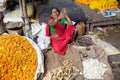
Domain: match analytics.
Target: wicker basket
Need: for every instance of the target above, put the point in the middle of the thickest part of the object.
(19, 31)
(14, 28)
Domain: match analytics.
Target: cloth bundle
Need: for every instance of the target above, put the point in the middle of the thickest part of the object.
(2, 5)
(85, 41)
(15, 16)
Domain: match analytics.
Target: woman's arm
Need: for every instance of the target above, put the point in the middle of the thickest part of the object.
(68, 20)
(52, 22)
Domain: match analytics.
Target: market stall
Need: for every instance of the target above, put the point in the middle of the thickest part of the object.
(24, 59)
(100, 12)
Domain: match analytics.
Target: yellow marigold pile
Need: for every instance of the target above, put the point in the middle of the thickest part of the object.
(84, 1)
(100, 4)
(18, 58)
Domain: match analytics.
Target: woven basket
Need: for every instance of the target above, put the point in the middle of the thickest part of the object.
(14, 28)
(19, 31)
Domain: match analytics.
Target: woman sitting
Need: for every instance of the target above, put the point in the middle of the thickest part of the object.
(60, 36)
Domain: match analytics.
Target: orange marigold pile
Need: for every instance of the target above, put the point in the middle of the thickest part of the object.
(18, 58)
(100, 4)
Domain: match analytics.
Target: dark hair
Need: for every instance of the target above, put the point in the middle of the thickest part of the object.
(54, 8)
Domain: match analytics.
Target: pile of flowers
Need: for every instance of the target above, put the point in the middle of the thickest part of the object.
(100, 4)
(84, 1)
(18, 58)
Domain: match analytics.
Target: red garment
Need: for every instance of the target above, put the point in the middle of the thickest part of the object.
(1, 16)
(66, 35)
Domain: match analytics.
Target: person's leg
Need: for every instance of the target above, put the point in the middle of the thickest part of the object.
(74, 42)
(79, 31)
(75, 34)
(1, 16)
(76, 31)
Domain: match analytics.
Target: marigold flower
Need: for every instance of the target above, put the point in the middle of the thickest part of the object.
(18, 58)
(100, 4)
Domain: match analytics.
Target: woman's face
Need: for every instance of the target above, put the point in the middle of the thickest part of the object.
(54, 13)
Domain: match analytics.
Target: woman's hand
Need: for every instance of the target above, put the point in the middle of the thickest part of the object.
(64, 10)
(68, 22)
(54, 35)
(61, 16)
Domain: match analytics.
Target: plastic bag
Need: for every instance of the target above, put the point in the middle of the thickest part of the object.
(109, 49)
(43, 41)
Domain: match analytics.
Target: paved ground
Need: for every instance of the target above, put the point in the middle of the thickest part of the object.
(113, 38)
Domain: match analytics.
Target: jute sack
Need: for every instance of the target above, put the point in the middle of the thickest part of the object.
(81, 28)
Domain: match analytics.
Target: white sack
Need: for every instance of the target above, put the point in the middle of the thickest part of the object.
(93, 69)
(40, 68)
(16, 15)
(43, 41)
(38, 29)
(109, 49)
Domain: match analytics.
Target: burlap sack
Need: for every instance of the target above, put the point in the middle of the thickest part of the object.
(81, 28)
(54, 60)
(97, 52)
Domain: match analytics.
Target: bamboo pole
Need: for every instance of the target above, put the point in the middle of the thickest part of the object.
(27, 27)
(21, 9)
